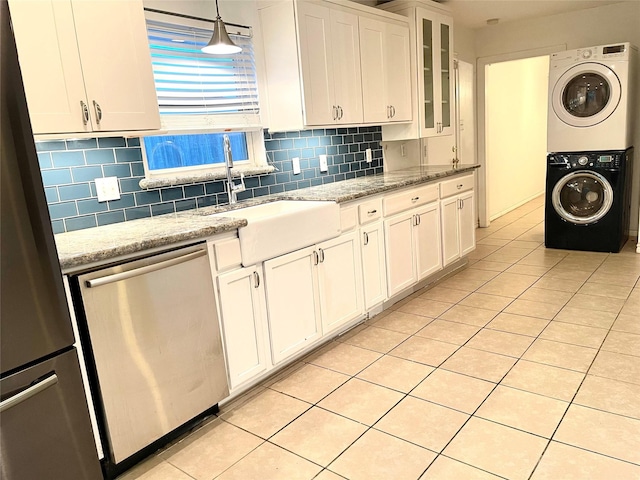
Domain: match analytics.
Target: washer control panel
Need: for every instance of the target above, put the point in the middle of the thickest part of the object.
(608, 160)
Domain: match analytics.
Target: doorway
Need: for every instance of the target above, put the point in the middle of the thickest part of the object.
(516, 94)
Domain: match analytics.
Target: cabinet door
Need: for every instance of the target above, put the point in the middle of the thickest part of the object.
(116, 64)
(346, 66)
(314, 30)
(467, 219)
(292, 302)
(50, 65)
(340, 281)
(398, 71)
(450, 230)
(428, 63)
(242, 308)
(427, 240)
(372, 52)
(445, 33)
(401, 271)
(373, 265)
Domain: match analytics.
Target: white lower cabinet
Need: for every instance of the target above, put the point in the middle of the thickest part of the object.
(401, 267)
(412, 241)
(241, 302)
(427, 240)
(373, 264)
(340, 281)
(458, 219)
(293, 305)
(312, 292)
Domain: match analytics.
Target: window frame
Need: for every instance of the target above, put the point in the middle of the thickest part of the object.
(207, 123)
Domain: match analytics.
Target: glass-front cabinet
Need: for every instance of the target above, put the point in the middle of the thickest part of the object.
(431, 29)
(435, 71)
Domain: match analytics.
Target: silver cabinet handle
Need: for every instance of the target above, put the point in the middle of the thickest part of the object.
(85, 112)
(316, 259)
(96, 106)
(393, 111)
(459, 186)
(256, 279)
(371, 212)
(341, 113)
(418, 219)
(366, 238)
(415, 199)
(116, 277)
(388, 111)
(335, 113)
(18, 398)
(321, 255)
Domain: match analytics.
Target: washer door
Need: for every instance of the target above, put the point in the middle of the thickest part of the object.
(586, 95)
(582, 197)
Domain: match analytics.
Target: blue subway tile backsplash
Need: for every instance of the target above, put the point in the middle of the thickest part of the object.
(69, 169)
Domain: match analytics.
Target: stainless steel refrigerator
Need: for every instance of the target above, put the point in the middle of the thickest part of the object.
(45, 430)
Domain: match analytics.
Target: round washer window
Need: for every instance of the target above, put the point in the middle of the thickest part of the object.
(586, 94)
(582, 197)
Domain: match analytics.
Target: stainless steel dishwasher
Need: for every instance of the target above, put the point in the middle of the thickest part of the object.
(155, 340)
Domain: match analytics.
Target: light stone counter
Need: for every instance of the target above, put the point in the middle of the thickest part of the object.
(101, 245)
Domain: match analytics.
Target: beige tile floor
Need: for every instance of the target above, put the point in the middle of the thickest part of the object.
(525, 365)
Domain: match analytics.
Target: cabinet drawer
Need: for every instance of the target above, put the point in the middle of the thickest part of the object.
(456, 185)
(227, 254)
(409, 199)
(348, 218)
(370, 211)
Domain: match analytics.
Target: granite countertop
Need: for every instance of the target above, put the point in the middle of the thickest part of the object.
(94, 246)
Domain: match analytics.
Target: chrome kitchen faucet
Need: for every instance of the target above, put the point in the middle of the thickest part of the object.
(232, 187)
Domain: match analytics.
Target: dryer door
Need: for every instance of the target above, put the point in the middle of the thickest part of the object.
(586, 94)
(582, 197)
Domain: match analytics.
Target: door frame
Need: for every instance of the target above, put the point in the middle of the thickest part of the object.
(481, 64)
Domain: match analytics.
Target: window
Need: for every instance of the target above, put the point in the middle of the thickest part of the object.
(177, 151)
(200, 95)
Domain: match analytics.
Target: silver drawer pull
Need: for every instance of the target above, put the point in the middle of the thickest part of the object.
(371, 212)
(18, 398)
(459, 186)
(256, 278)
(415, 199)
(97, 282)
(96, 105)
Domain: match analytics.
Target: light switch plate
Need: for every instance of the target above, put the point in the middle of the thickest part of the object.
(368, 155)
(296, 165)
(107, 189)
(323, 163)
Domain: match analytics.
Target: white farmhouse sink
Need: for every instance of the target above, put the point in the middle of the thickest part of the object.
(281, 227)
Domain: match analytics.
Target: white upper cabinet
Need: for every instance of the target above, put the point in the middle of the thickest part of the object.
(316, 71)
(432, 76)
(385, 48)
(330, 59)
(85, 65)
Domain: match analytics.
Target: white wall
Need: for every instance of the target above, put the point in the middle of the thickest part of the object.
(595, 26)
(516, 132)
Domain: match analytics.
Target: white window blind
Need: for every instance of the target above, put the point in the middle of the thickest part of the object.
(196, 89)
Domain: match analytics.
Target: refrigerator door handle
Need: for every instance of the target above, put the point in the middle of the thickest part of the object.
(35, 389)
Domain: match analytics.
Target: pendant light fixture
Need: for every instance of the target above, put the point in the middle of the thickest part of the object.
(220, 43)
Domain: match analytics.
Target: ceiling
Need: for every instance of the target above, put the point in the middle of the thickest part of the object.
(475, 13)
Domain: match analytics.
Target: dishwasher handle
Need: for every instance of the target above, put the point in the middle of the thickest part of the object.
(116, 277)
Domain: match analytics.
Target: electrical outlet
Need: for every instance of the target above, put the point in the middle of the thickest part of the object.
(107, 189)
(296, 165)
(323, 163)
(368, 155)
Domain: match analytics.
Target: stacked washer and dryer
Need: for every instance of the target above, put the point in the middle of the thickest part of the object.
(590, 147)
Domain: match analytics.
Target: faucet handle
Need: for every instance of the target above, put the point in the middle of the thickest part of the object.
(240, 187)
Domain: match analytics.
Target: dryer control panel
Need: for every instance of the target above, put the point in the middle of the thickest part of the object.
(620, 51)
